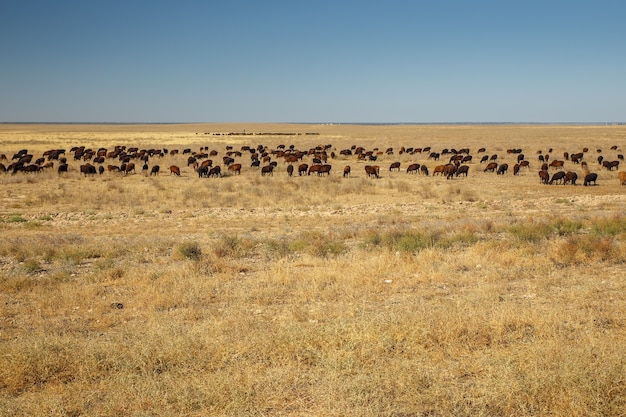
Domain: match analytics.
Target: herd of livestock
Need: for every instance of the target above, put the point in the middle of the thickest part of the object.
(209, 163)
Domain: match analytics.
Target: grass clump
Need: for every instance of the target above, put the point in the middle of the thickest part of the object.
(319, 244)
(189, 250)
(234, 246)
(16, 218)
(413, 241)
(614, 226)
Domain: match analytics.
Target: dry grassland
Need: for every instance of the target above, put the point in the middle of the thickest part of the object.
(136, 295)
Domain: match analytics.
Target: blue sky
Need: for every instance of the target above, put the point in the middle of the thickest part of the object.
(321, 61)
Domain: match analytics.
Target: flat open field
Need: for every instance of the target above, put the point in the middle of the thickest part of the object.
(404, 295)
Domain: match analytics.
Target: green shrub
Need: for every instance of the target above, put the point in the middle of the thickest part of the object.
(16, 218)
(613, 226)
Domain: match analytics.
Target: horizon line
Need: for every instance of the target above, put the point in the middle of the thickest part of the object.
(605, 123)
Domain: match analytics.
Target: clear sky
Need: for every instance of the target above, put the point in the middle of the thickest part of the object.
(313, 61)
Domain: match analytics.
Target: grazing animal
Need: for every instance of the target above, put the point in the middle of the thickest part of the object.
(324, 169)
(87, 169)
(174, 170)
(303, 169)
(439, 169)
(267, 170)
(314, 168)
(371, 170)
(346, 171)
(155, 170)
(462, 170)
(558, 177)
(544, 177)
(413, 168)
(424, 170)
(203, 172)
(491, 166)
(622, 177)
(590, 178)
(449, 170)
(62, 168)
(130, 167)
(215, 171)
(290, 170)
(502, 169)
(556, 164)
(235, 168)
(570, 177)
(394, 166)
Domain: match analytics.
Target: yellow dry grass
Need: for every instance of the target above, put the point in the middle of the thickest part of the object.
(313, 296)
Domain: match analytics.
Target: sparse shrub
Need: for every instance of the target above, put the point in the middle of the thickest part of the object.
(531, 232)
(233, 246)
(613, 226)
(31, 266)
(277, 248)
(413, 241)
(189, 250)
(319, 244)
(565, 227)
(16, 218)
(463, 238)
(373, 238)
(579, 249)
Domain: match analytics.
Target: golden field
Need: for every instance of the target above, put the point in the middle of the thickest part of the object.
(407, 295)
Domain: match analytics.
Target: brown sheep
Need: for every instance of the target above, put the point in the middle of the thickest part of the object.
(544, 177)
(413, 168)
(463, 169)
(303, 169)
(439, 169)
(130, 167)
(491, 167)
(236, 168)
(558, 177)
(449, 170)
(174, 170)
(394, 166)
(570, 177)
(346, 171)
(622, 177)
(324, 169)
(556, 164)
(371, 171)
(215, 171)
(267, 169)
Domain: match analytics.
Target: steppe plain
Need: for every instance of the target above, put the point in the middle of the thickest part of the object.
(243, 295)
